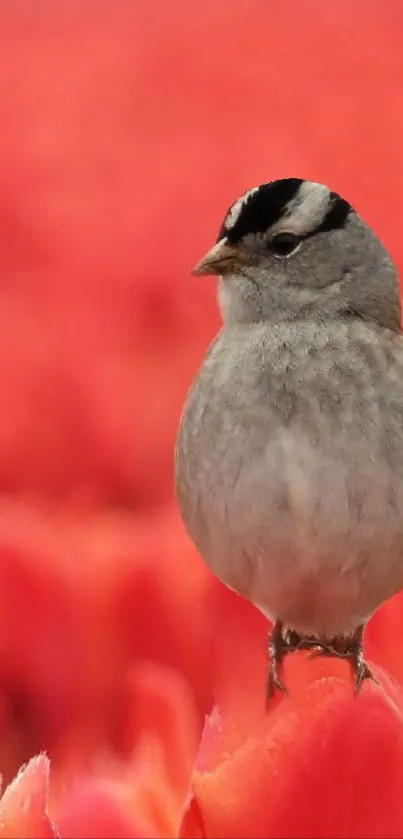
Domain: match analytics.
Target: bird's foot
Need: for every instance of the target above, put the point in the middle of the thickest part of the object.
(350, 649)
(277, 650)
(283, 641)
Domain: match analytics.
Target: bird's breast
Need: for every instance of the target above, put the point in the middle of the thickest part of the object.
(284, 481)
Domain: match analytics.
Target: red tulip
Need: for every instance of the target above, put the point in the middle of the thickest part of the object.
(23, 806)
(320, 763)
(125, 135)
(314, 765)
(140, 793)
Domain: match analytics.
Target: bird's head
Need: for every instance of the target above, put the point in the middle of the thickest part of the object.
(292, 248)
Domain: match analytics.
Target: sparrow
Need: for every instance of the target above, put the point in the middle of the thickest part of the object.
(289, 455)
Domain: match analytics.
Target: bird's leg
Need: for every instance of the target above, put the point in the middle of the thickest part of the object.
(361, 669)
(281, 642)
(276, 651)
(352, 650)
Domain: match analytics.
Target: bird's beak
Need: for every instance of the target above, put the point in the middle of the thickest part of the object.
(221, 259)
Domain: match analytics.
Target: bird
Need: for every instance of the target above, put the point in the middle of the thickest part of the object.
(289, 452)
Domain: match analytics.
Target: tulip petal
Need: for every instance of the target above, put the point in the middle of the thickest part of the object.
(23, 807)
(321, 763)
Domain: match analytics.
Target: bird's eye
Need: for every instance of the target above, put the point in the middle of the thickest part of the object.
(284, 244)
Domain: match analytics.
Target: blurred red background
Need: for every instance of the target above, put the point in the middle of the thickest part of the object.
(126, 131)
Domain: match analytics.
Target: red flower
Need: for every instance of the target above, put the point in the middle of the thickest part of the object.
(142, 795)
(23, 806)
(126, 135)
(319, 764)
(119, 718)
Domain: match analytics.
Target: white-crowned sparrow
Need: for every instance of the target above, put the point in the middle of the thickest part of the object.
(289, 458)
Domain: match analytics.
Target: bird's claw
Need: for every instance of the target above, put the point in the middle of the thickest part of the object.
(279, 645)
(283, 641)
(274, 681)
(354, 653)
(362, 672)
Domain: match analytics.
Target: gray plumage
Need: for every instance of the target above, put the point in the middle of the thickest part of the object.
(289, 458)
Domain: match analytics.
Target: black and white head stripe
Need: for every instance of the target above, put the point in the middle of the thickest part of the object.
(305, 207)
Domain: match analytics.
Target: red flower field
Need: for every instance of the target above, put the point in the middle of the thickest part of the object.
(131, 682)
